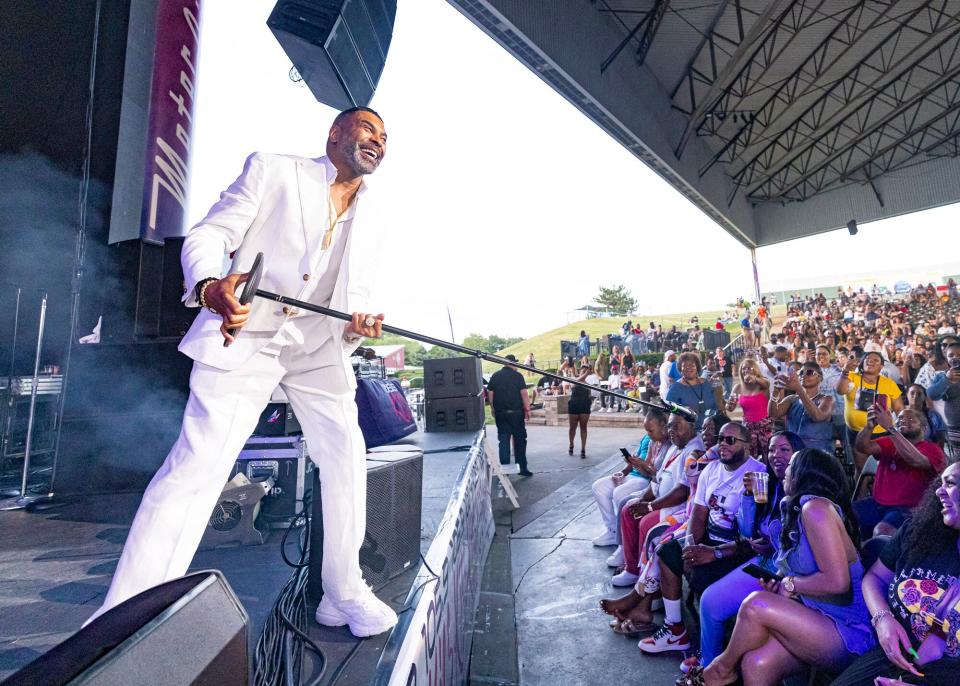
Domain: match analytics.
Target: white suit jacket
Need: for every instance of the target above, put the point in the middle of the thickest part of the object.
(278, 206)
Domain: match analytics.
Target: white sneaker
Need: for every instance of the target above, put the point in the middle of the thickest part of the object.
(624, 578)
(616, 560)
(366, 615)
(605, 539)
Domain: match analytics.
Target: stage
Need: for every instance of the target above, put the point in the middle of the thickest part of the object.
(56, 563)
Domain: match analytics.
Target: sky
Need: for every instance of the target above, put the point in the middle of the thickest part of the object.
(506, 204)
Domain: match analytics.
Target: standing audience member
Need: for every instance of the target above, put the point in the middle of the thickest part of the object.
(666, 378)
(918, 400)
(583, 345)
(510, 406)
(945, 387)
(752, 393)
(861, 390)
(906, 464)
(578, 410)
(692, 391)
(713, 552)
(726, 368)
(809, 412)
(776, 636)
(913, 596)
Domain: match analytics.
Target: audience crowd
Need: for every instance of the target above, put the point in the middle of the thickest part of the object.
(816, 534)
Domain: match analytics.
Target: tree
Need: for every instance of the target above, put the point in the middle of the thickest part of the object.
(490, 344)
(413, 354)
(616, 299)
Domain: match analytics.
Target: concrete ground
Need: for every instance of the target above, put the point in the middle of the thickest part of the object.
(539, 620)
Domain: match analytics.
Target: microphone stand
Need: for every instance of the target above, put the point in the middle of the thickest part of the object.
(666, 405)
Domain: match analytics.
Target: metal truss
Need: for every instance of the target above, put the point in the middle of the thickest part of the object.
(650, 23)
(871, 125)
(859, 19)
(704, 90)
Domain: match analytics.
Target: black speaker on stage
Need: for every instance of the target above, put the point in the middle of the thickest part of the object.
(452, 377)
(454, 414)
(191, 630)
(392, 541)
(339, 47)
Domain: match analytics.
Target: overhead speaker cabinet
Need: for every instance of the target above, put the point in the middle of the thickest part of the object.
(192, 630)
(452, 377)
(338, 47)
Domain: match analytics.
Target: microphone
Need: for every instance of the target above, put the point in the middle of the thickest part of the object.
(684, 412)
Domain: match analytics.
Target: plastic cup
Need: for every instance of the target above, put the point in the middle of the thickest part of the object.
(686, 541)
(760, 482)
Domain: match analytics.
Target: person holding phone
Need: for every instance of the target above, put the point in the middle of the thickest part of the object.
(906, 463)
(809, 412)
(860, 384)
(945, 388)
(611, 492)
(776, 636)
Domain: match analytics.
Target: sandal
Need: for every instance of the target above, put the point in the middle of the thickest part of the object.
(632, 629)
(570, 450)
(692, 678)
(583, 454)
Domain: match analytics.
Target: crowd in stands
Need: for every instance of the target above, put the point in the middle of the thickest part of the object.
(791, 565)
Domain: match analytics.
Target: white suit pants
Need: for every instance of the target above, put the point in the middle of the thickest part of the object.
(222, 412)
(610, 497)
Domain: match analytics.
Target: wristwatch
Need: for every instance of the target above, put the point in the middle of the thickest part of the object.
(717, 553)
(788, 585)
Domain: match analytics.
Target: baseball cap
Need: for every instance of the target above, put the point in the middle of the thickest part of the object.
(669, 353)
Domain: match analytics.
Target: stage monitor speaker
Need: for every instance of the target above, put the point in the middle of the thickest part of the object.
(452, 377)
(391, 544)
(338, 47)
(192, 630)
(454, 414)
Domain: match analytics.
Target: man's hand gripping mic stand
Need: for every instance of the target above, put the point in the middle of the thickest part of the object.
(251, 288)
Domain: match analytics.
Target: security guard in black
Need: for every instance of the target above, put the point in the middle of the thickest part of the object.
(507, 393)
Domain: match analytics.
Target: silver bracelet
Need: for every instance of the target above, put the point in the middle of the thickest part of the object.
(203, 293)
(878, 616)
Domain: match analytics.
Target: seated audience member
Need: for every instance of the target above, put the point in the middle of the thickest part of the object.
(937, 362)
(692, 391)
(752, 393)
(712, 551)
(918, 400)
(945, 387)
(906, 463)
(776, 636)
(664, 501)
(611, 492)
(809, 412)
(913, 596)
(759, 527)
(860, 385)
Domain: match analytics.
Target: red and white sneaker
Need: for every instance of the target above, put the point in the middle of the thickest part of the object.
(667, 638)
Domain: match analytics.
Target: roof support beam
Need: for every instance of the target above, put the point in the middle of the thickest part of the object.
(752, 42)
(656, 18)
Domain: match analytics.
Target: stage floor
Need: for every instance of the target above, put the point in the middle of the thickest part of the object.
(56, 563)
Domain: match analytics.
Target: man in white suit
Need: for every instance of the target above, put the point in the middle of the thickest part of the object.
(312, 220)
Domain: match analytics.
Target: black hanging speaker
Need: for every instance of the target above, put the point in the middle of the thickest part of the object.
(339, 47)
(392, 541)
(192, 630)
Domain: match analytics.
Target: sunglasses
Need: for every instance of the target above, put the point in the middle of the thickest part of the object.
(807, 372)
(730, 440)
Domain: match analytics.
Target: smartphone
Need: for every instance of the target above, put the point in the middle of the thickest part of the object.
(626, 454)
(882, 401)
(758, 572)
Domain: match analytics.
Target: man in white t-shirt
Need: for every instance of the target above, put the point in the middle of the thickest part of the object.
(713, 525)
(665, 379)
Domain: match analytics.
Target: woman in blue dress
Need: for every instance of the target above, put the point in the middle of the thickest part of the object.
(814, 614)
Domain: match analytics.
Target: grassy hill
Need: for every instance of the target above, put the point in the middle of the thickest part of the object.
(546, 346)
